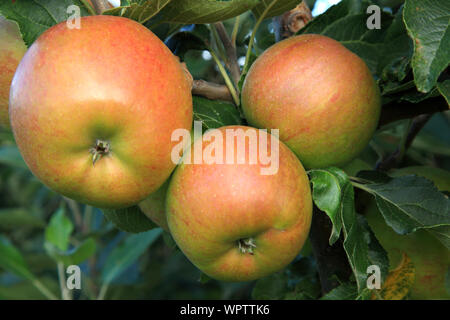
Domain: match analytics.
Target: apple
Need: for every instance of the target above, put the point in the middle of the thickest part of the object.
(320, 95)
(154, 206)
(93, 110)
(232, 221)
(12, 49)
(431, 259)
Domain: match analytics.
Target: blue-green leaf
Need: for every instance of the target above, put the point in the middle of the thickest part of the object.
(127, 253)
(59, 230)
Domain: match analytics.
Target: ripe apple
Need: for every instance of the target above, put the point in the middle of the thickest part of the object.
(93, 110)
(12, 49)
(431, 259)
(231, 221)
(154, 206)
(321, 96)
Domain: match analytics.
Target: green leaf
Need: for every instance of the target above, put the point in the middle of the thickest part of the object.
(409, 203)
(280, 7)
(26, 290)
(204, 11)
(34, 17)
(376, 253)
(395, 87)
(273, 287)
(427, 22)
(444, 90)
(416, 97)
(369, 52)
(194, 37)
(10, 156)
(355, 244)
(252, 59)
(308, 288)
(74, 256)
(130, 219)
(396, 51)
(264, 38)
(163, 30)
(127, 253)
(19, 218)
(334, 14)
(214, 113)
(204, 278)
(168, 240)
(140, 10)
(12, 260)
(346, 291)
(59, 230)
(327, 195)
(360, 244)
(333, 193)
(351, 27)
(430, 143)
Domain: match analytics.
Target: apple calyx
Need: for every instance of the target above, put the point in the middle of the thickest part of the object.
(246, 245)
(101, 148)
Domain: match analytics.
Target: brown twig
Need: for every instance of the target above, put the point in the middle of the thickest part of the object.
(396, 157)
(211, 90)
(77, 216)
(289, 23)
(395, 111)
(230, 49)
(100, 5)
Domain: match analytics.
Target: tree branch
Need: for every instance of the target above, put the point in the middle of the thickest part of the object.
(100, 5)
(332, 263)
(77, 216)
(211, 90)
(230, 50)
(395, 158)
(289, 23)
(395, 111)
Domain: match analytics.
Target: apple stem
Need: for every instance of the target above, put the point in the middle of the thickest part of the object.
(246, 245)
(101, 149)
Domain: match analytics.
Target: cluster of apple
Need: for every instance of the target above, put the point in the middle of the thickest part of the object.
(93, 111)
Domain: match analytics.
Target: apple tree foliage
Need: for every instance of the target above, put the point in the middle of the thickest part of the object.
(122, 254)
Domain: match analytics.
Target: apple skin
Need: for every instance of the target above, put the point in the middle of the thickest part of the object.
(112, 80)
(211, 207)
(431, 259)
(321, 96)
(154, 206)
(12, 49)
